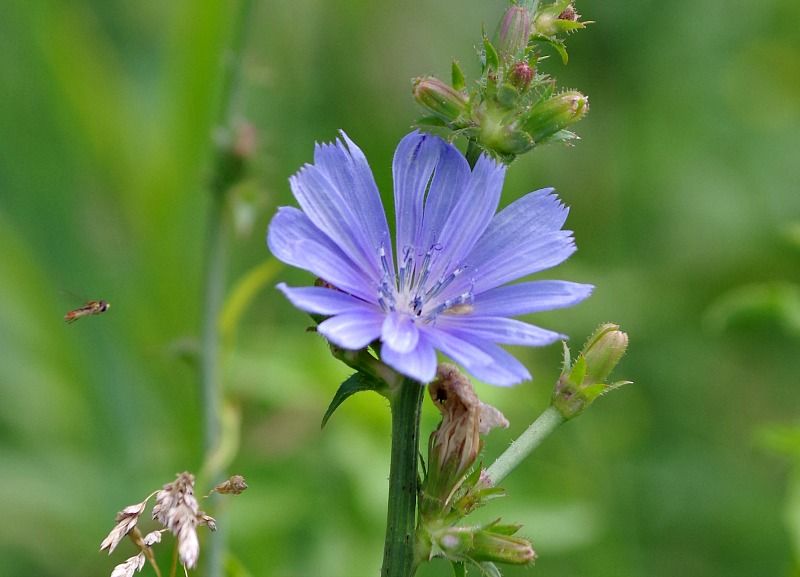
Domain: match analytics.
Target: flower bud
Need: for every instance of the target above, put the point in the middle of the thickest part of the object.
(550, 116)
(442, 100)
(498, 547)
(494, 543)
(513, 32)
(583, 381)
(521, 75)
(603, 352)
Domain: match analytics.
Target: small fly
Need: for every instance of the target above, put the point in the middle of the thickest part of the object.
(90, 308)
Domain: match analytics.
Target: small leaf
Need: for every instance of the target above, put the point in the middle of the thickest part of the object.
(490, 54)
(459, 570)
(559, 46)
(489, 569)
(507, 96)
(457, 76)
(355, 383)
(434, 121)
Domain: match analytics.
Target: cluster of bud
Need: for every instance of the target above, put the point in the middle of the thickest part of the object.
(514, 107)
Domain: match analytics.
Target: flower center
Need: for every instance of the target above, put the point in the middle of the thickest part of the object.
(416, 291)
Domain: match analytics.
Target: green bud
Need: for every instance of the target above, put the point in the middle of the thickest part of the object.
(497, 136)
(497, 547)
(583, 380)
(494, 543)
(513, 32)
(550, 116)
(603, 352)
(439, 98)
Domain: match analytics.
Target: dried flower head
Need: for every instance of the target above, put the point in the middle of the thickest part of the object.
(176, 508)
(233, 486)
(126, 520)
(455, 445)
(129, 567)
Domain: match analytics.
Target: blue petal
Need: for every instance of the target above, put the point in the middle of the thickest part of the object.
(529, 297)
(449, 180)
(294, 239)
(499, 330)
(399, 332)
(324, 301)
(522, 239)
(419, 363)
(471, 214)
(347, 168)
(353, 330)
(484, 360)
(339, 195)
(414, 161)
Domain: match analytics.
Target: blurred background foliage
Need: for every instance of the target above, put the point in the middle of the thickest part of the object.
(684, 196)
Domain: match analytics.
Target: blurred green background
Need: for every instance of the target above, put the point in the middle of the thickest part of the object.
(685, 206)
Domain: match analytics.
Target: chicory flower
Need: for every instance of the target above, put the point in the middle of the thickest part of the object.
(447, 290)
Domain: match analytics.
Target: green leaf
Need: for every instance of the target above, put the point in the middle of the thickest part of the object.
(490, 54)
(355, 383)
(434, 121)
(507, 96)
(459, 569)
(457, 76)
(557, 44)
(489, 569)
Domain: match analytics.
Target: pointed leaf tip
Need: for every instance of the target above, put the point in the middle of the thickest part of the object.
(355, 383)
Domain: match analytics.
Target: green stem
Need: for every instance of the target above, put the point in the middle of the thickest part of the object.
(216, 261)
(527, 442)
(398, 552)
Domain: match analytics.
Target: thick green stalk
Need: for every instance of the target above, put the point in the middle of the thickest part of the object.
(398, 552)
(537, 432)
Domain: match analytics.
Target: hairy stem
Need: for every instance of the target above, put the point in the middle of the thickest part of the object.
(398, 552)
(527, 442)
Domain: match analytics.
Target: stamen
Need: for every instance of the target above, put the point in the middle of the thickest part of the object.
(456, 305)
(405, 272)
(442, 284)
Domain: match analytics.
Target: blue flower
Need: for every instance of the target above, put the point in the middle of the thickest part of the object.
(447, 290)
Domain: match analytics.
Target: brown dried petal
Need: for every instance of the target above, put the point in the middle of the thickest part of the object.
(491, 418)
(233, 486)
(126, 520)
(129, 567)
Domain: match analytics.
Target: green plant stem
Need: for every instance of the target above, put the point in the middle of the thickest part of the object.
(398, 552)
(222, 179)
(527, 442)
